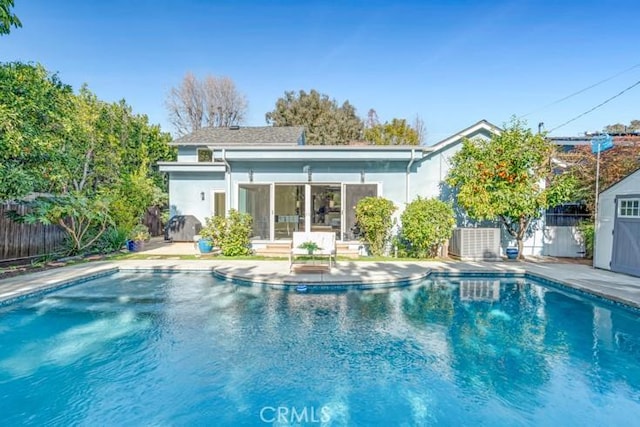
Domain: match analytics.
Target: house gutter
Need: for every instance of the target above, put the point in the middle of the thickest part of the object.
(413, 151)
(228, 178)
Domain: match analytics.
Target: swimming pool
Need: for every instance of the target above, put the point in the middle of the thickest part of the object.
(189, 349)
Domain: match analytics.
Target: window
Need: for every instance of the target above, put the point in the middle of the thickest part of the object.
(629, 208)
(219, 203)
(205, 155)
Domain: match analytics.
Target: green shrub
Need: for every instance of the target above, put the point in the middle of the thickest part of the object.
(139, 233)
(112, 240)
(587, 231)
(374, 220)
(130, 199)
(214, 230)
(237, 235)
(232, 234)
(84, 219)
(426, 224)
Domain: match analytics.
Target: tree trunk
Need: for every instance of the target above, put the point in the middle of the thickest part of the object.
(523, 225)
(520, 248)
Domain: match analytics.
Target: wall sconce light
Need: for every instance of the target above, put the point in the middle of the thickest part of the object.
(202, 195)
(250, 175)
(362, 176)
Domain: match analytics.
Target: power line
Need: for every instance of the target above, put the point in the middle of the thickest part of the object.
(597, 106)
(580, 91)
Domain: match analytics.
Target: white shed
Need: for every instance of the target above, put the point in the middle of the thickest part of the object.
(617, 245)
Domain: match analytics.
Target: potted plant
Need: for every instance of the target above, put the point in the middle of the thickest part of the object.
(205, 245)
(310, 247)
(138, 235)
(211, 234)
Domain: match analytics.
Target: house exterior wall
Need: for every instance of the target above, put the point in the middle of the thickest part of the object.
(603, 246)
(188, 154)
(185, 190)
(426, 175)
(389, 175)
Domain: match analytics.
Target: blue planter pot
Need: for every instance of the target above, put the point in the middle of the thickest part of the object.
(134, 245)
(205, 246)
(512, 253)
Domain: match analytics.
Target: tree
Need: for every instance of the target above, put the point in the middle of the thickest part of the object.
(213, 102)
(7, 18)
(35, 108)
(86, 147)
(397, 132)
(372, 119)
(615, 164)
(616, 128)
(634, 125)
(92, 156)
(420, 128)
(131, 197)
(325, 122)
(104, 144)
(83, 219)
(224, 105)
(509, 178)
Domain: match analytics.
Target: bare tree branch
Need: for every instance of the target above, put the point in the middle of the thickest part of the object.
(224, 105)
(214, 102)
(419, 127)
(186, 105)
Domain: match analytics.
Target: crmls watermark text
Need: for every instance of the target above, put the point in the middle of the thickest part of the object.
(292, 414)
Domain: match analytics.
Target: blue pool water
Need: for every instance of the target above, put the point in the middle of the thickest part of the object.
(188, 349)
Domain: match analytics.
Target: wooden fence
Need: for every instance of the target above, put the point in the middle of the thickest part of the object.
(23, 241)
(152, 219)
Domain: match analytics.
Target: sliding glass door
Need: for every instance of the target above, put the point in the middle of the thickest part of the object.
(287, 208)
(255, 199)
(289, 203)
(353, 193)
(326, 208)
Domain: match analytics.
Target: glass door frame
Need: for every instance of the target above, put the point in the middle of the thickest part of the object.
(307, 201)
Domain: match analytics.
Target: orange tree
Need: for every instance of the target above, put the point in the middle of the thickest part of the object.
(615, 164)
(509, 178)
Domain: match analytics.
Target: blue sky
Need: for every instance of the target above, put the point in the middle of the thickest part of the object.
(451, 62)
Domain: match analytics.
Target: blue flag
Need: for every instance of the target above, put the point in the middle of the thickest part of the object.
(601, 143)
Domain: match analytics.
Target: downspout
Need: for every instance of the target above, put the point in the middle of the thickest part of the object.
(413, 151)
(228, 178)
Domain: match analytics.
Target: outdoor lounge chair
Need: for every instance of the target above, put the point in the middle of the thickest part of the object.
(323, 256)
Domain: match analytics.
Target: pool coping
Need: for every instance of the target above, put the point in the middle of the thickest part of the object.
(612, 287)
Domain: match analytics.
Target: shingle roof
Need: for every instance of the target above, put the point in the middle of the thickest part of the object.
(263, 135)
